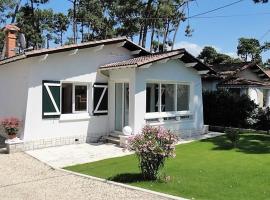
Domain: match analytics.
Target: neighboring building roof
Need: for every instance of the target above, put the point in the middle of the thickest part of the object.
(126, 43)
(181, 54)
(224, 71)
(236, 82)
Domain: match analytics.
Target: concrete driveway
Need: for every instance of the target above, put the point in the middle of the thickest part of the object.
(25, 178)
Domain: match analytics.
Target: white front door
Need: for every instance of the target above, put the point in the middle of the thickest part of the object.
(121, 105)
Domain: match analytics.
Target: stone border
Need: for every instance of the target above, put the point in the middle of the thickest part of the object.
(222, 129)
(122, 185)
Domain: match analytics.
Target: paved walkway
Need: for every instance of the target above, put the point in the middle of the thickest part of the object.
(68, 155)
(25, 178)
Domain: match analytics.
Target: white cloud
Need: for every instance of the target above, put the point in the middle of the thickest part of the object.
(193, 48)
(196, 49)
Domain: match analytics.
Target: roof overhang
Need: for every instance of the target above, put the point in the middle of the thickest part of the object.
(96, 45)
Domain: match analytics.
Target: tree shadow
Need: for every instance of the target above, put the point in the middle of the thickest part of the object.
(127, 178)
(248, 143)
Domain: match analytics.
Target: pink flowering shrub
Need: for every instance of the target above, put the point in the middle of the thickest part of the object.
(152, 147)
(10, 125)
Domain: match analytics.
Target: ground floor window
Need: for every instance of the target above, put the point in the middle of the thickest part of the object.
(74, 98)
(167, 97)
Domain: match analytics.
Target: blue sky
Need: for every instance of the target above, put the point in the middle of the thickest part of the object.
(247, 20)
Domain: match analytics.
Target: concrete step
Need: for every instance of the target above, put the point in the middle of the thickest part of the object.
(112, 139)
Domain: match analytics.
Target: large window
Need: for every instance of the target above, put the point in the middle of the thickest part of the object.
(167, 97)
(74, 98)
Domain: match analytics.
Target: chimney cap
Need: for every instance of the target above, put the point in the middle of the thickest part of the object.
(11, 27)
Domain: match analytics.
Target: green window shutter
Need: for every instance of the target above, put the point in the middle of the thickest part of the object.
(51, 99)
(100, 99)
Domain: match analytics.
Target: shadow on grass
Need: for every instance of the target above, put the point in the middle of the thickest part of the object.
(249, 143)
(127, 178)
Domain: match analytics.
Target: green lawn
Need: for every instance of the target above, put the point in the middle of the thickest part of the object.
(207, 169)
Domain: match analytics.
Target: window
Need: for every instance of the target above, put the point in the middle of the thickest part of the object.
(182, 97)
(80, 98)
(152, 103)
(74, 98)
(167, 97)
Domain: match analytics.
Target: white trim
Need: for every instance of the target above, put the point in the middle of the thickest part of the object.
(203, 72)
(191, 64)
(120, 44)
(75, 51)
(135, 52)
(47, 85)
(98, 48)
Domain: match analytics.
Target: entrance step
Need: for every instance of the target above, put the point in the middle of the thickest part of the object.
(114, 139)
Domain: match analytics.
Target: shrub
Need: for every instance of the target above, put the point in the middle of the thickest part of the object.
(262, 119)
(233, 136)
(152, 147)
(224, 108)
(10, 125)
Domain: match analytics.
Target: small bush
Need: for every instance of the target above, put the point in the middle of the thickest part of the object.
(233, 136)
(152, 147)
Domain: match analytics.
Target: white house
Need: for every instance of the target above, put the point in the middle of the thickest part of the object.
(79, 93)
(241, 78)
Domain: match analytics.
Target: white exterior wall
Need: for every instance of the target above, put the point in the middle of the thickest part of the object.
(65, 67)
(172, 71)
(14, 90)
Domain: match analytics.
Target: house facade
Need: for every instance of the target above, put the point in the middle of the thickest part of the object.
(240, 78)
(79, 93)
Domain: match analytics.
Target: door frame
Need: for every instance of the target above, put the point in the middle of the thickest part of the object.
(122, 106)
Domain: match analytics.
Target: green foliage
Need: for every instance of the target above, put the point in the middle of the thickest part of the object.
(262, 118)
(225, 108)
(250, 48)
(60, 26)
(233, 136)
(152, 147)
(211, 56)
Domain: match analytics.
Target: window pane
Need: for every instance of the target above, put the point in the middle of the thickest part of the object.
(183, 97)
(167, 96)
(152, 97)
(66, 106)
(80, 98)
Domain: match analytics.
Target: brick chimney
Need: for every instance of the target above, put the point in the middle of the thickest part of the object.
(10, 40)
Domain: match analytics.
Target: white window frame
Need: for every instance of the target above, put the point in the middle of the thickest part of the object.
(73, 97)
(159, 114)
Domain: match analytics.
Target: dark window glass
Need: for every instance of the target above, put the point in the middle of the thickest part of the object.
(66, 98)
(80, 97)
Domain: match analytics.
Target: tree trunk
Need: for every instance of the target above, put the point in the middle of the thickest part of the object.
(145, 27)
(16, 11)
(140, 36)
(74, 22)
(152, 36)
(175, 33)
(61, 38)
(167, 25)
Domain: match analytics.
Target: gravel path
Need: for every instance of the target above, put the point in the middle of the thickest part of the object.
(25, 178)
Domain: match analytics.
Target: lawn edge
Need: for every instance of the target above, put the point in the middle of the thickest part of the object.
(122, 185)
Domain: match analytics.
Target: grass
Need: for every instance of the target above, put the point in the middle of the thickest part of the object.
(207, 169)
